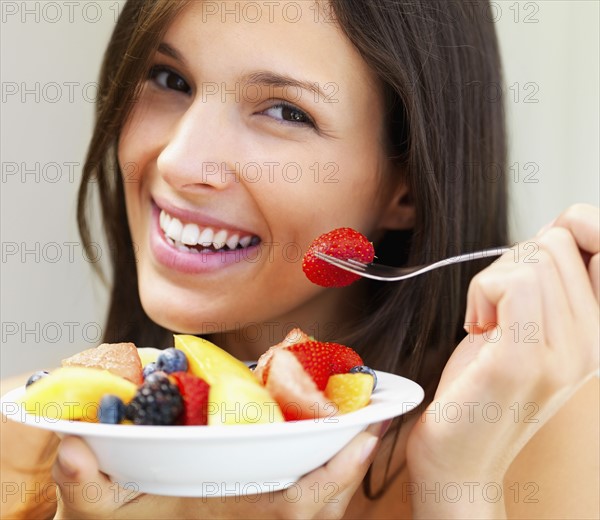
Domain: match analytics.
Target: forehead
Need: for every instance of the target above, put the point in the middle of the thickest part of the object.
(293, 38)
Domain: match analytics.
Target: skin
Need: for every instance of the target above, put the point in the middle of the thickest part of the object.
(170, 134)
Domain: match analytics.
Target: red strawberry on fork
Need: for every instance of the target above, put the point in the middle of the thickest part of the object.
(343, 243)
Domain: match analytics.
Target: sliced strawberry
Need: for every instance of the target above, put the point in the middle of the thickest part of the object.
(294, 390)
(262, 366)
(195, 398)
(343, 243)
(321, 360)
(121, 359)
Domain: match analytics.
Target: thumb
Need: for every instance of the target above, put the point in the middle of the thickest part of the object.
(84, 492)
(340, 477)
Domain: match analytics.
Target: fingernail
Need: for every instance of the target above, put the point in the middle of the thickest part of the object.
(68, 469)
(545, 228)
(385, 426)
(367, 449)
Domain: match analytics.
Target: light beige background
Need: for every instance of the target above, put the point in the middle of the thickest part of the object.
(51, 306)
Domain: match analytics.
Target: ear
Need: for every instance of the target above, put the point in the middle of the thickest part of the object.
(399, 212)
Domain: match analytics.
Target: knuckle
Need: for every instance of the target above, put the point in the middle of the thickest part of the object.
(576, 211)
(522, 277)
(559, 236)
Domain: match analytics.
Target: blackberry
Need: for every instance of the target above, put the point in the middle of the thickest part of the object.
(157, 402)
(362, 369)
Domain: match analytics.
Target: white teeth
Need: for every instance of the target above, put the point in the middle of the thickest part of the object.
(190, 234)
(181, 236)
(165, 220)
(245, 242)
(174, 229)
(206, 237)
(232, 241)
(219, 239)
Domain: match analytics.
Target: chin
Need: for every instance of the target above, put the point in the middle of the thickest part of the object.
(174, 319)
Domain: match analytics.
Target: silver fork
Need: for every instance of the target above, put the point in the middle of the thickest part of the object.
(393, 274)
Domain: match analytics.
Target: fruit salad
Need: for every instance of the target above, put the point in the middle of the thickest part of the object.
(197, 383)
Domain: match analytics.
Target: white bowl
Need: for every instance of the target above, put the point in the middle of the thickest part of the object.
(212, 461)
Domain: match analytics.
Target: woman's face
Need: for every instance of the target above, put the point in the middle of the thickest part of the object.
(250, 137)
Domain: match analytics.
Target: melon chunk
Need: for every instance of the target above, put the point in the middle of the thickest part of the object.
(121, 359)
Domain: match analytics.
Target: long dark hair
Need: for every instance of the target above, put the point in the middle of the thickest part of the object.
(439, 65)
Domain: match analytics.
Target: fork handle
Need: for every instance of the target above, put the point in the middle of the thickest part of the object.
(476, 255)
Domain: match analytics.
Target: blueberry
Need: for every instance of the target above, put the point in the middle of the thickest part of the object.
(149, 369)
(362, 369)
(35, 377)
(172, 360)
(157, 375)
(111, 410)
(252, 366)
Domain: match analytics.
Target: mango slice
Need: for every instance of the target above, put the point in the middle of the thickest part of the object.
(74, 393)
(239, 401)
(236, 396)
(210, 362)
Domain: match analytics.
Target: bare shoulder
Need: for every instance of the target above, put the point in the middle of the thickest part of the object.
(557, 474)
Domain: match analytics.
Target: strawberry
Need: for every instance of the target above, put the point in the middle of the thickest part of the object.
(195, 398)
(293, 336)
(322, 360)
(343, 243)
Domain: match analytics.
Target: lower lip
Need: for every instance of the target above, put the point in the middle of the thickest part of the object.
(192, 263)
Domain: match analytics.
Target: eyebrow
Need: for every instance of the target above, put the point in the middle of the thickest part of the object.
(263, 77)
(167, 50)
(273, 79)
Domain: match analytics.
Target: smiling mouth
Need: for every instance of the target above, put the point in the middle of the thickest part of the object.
(189, 237)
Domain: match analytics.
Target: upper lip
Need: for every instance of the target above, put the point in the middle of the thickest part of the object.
(197, 217)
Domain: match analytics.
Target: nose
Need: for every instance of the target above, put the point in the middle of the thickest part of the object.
(198, 152)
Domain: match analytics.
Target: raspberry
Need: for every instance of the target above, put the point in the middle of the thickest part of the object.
(195, 398)
(157, 402)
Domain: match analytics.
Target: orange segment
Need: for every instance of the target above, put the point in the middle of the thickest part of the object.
(349, 392)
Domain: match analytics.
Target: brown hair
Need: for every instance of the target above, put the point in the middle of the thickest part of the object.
(439, 64)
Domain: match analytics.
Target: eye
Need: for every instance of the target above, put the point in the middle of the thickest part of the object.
(289, 114)
(167, 79)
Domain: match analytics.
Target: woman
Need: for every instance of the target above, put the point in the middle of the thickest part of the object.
(282, 122)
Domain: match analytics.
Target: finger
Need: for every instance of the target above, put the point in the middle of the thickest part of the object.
(339, 479)
(480, 314)
(85, 492)
(583, 221)
(594, 273)
(520, 299)
(575, 279)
